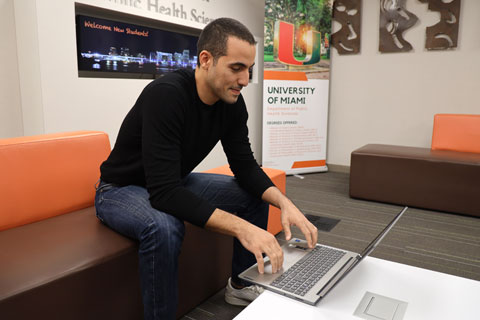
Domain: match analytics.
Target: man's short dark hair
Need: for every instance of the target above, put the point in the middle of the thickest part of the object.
(214, 37)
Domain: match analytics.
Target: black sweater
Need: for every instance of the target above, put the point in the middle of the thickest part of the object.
(167, 133)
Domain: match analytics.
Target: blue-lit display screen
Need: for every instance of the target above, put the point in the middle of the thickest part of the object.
(112, 46)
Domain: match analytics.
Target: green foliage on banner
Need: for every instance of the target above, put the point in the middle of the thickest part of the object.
(314, 14)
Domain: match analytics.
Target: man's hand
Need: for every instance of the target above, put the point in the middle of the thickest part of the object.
(291, 216)
(258, 241)
(252, 238)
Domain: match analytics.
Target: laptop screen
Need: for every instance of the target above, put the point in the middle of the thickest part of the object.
(382, 234)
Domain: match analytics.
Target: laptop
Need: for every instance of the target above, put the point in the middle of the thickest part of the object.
(308, 274)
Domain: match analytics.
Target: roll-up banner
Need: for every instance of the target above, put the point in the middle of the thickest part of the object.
(296, 82)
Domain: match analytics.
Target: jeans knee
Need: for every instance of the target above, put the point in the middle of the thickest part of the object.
(263, 206)
(259, 206)
(164, 234)
(263, 209)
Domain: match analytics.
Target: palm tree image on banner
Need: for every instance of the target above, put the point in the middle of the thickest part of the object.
(297, 33)
(296, 81)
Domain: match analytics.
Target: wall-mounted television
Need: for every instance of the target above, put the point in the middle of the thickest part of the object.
(108, 48)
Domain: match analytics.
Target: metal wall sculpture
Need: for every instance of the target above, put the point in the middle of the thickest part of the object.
(348, 14)
(394, 20)
(443, 35)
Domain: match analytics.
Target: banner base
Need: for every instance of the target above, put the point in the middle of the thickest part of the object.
(306, 170)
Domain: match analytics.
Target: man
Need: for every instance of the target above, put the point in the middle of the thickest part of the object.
(147, 189)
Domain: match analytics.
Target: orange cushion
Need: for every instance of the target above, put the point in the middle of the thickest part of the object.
(48, 175)
(456, 132)
(278, 177)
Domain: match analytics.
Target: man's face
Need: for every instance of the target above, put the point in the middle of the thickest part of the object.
(230, 74)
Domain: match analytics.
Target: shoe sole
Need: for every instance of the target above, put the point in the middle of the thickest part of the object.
(236, 301)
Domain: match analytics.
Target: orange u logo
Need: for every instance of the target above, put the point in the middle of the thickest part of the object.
(283, 45)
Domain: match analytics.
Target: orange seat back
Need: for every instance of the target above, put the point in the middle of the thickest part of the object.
(456, 132)
(48, 175)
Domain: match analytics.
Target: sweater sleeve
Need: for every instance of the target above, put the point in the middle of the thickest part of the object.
(162, 125)
(240, 156)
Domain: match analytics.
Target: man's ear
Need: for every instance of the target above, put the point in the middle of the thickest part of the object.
(206, 59)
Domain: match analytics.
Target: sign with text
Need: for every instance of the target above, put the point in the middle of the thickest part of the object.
(192, 10)
(296, 83)
(118, 47)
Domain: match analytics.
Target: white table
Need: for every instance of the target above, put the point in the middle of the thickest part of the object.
(429, 294)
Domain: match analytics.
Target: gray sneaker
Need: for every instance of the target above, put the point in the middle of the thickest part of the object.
(241, 297)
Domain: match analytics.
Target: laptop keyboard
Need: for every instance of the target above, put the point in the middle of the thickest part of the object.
(306, 272)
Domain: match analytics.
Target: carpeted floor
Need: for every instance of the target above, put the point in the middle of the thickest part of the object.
(438, 241)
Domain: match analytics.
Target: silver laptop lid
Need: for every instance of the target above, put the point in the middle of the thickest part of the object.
(382, 234)
(366, 252)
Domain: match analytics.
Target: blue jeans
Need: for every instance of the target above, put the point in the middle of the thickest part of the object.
(127, 210)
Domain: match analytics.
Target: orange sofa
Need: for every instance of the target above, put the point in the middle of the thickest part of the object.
(444, 177)
(57, 261)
